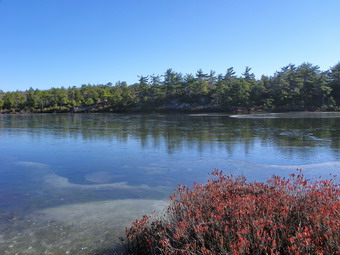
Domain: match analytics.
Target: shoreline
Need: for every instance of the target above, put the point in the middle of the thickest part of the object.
(194, 110)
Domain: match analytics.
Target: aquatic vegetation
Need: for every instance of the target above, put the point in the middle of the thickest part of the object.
(228, 215)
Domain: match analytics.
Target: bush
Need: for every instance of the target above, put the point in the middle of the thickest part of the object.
(230, 216)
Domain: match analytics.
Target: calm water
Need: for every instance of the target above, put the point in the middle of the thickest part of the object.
(69, 184)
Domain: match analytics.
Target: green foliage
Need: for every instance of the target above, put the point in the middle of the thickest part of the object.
(293, 87)
(89, 101)
(334, 82)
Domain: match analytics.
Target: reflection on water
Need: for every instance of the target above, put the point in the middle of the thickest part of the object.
(56, 169)
(177, 131)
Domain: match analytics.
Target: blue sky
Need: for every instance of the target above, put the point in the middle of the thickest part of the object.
(54, 43)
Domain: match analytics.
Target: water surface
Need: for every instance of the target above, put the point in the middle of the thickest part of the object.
(70, 183)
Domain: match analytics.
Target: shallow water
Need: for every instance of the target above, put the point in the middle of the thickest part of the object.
(69, 184)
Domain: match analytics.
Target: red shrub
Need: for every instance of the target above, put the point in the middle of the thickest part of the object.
(230, 216)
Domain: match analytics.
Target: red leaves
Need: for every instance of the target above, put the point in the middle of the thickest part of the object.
(229, 215)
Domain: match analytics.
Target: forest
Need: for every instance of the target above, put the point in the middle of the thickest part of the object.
(293, 88)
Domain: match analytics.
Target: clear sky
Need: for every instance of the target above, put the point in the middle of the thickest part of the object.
(54, 43)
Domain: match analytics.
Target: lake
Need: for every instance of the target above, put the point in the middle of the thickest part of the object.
(71, 183)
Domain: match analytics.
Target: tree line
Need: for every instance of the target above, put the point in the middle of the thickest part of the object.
(292, 88)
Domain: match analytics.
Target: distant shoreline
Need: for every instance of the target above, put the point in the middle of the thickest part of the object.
(293, 88)
(195, 110)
